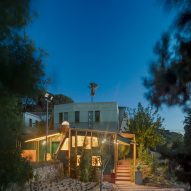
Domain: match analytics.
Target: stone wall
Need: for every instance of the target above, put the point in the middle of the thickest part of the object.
(47, 172)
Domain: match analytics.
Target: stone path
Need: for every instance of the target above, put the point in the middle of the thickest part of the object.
(69, 184)
(133, 187)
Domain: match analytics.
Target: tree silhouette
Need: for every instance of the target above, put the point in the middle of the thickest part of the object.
(93, 86)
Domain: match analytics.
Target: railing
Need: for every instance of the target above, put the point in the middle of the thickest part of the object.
(102, 126)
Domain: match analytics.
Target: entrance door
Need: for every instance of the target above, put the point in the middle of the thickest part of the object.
(90, 119)
(54, 148)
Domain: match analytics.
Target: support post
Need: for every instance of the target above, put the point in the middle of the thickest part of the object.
(46, 150)
(134, 157)
(69, 148)
(115, 153)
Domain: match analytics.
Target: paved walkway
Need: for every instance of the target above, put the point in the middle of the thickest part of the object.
(133, 187)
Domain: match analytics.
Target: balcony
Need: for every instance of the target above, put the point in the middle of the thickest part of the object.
(102, 126)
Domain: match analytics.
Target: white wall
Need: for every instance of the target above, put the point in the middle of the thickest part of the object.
(27, 116)
(108, 112)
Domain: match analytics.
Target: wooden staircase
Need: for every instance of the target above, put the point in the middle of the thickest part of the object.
(123, 172)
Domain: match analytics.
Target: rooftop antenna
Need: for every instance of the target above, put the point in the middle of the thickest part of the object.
(93, 86)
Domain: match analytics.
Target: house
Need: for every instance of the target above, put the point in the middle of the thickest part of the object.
(104, 116)
(30, 119)
(94, 127)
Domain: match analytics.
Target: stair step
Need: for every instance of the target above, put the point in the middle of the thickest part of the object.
(124, 164)
(123, 174)
(124, 167)
(122, 170)
(123, 178)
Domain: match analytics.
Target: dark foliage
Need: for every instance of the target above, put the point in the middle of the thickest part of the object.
(170, 75)
(21, 75)
(187, 129)
(38, 103)
(170, 78)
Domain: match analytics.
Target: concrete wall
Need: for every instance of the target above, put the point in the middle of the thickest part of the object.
(108, 114)
(27, 116)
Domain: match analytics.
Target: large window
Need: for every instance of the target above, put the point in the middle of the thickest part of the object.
(65, 145)
(77, 116)
(97, 116)
(86, 143)
(65, 116)
(96, 160)
(60, 118)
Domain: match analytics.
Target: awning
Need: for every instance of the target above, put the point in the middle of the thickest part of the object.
(122, 140)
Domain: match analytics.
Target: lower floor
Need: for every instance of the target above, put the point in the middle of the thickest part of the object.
(83, 148)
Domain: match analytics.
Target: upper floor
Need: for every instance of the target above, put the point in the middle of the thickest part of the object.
(97, 115)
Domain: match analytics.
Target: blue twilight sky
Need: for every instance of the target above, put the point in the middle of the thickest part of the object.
(105, 41)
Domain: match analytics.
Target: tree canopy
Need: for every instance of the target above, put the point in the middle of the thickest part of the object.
(146, 124)
(170, 75)
(187, 129)
(21, 74)
(38, 103)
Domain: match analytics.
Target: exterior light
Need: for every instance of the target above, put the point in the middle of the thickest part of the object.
(44, 143)
(103, 141)
(65, 123)
(48, 98)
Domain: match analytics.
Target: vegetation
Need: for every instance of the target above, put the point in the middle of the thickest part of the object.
(124, 151)
(37, 103)
(21, 75)
(146, 124)
(170, 76)
(152, 138)
(93, 86)
(187, 135)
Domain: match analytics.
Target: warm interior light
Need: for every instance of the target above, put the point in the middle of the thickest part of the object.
(42, 137)
(43, 142)
(87, 143)
(65, 145)
(78, 160)
(103, 141)
(96, 160)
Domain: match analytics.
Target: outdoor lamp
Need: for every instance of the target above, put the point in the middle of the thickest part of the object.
(48, 98)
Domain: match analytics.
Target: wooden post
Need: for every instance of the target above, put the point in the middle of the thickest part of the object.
(76, 150)
(38, 152)
(115, 153)
(69, 148)
(134, 157)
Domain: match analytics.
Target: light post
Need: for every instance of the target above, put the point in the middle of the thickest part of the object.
(102, 167)
(48, 98)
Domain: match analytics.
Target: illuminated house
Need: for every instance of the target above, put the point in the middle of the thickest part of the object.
(93, 127)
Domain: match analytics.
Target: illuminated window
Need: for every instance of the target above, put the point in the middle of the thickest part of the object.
(96, 160)
(65, 145)
(95, 142)
(80, 141)
(87, 144)
(73, 141)
(78, 160)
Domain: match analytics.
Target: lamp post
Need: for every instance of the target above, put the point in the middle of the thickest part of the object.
(102, 165)
(48, 98)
